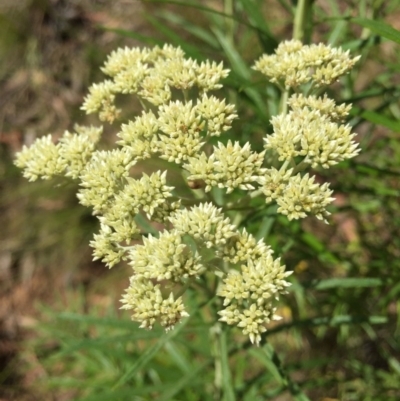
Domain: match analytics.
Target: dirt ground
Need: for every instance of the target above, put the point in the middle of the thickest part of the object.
(50, 51)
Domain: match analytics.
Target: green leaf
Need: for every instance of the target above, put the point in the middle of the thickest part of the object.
(243, 72)
(186, 380)
(236, 60)
(328, 321)
(265, 226)
(209, 10)
(147, 355)
(253, 10)
(134, 35)
(271, 360)
(197, 31)
(106, 321)
(175, 38)
(145, 225)
(350, 282)
(379, 28)
(178, 357)
(377, 118)
(313, 242)
(229, 393)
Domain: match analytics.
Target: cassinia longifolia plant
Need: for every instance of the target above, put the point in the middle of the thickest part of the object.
(197, 238)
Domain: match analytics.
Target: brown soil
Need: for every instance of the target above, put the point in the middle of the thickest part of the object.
(50, 52)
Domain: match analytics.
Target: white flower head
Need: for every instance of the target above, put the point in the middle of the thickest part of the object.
(295, 64)
(41, 160)
(229, 166)
(205, 223)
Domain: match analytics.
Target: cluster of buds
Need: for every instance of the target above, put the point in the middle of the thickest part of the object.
(197, 238)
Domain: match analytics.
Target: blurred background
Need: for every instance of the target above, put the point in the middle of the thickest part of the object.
(62, 336)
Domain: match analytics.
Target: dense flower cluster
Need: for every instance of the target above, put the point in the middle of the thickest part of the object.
(295, 64)
(177, 122)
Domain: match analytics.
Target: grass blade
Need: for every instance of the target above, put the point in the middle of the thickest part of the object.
(279, 372)
(329, 321)
(349, 282)
(243, 72)
(377, 118)
(379, 28)
(182, 383)
(175, 38)
(197, 31)
(267, 40)
(134, 35)
(229, 393)
(150, 353)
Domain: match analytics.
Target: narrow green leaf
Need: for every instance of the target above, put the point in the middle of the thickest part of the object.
(328, 321)
(100, 343)
(185, 381)
(229, 393)
(394, 364)
(100, 321)
(286, 6)
(134, 35)
(279, 372)
(175, 38)
(347, 282)
(243, 73)
(268, 41)
(206, 9)
(265, 358)
(198, 32)
(265, 227)
(237, 62)
(338, 32)
(178, 357)
(313, 242)
(376, 118)
(123, 394)
(379, 28)
(147, 355)
(145, 225)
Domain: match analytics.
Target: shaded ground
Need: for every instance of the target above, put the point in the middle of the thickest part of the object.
(50, 51)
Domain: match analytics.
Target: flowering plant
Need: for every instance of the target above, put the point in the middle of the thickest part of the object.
(178, 122)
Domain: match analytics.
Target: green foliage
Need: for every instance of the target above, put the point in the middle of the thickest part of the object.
(339, 337)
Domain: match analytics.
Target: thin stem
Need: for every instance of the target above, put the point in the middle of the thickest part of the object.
(145, 108)
(185, 95)
(302, 20)
(284, 165)
(215, 333)
(300, 167)
(283, 107)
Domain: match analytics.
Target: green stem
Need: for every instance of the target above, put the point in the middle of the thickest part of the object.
(283, 107)
(185, 95)
(284, 165)
(302, 19)
(145, 108)
(300, 167)
(215, 333)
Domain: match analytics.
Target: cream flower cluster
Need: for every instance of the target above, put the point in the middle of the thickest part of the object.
(196, 237)
(152, 74)
(45, 159)
(248, 294)
(295, 64)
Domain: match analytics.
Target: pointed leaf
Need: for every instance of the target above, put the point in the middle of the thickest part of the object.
(380, 28)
